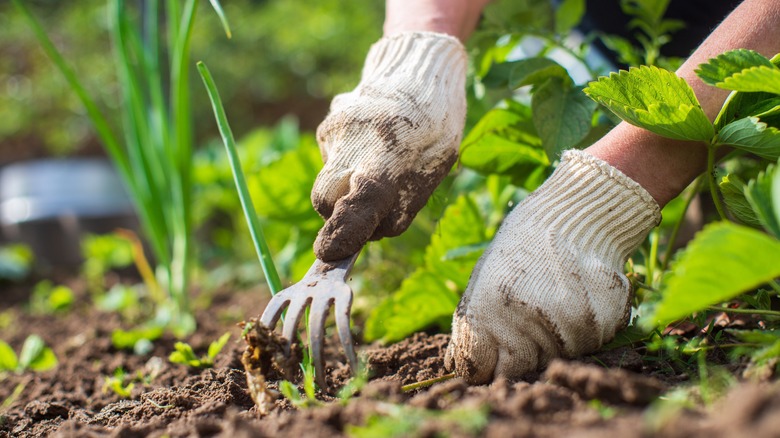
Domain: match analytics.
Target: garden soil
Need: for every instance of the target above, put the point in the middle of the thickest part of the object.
(612, 393)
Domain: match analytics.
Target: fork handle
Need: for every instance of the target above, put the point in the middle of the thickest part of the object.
(337, 269)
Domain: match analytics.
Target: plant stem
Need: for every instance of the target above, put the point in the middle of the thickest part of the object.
(713, 182)
(263, 253)
(746, 311)
(775, 285)
(426, 383)
(694, 189)
(653, 257)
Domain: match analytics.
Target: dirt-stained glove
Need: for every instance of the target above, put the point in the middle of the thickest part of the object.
(388, 143)
(551, 284)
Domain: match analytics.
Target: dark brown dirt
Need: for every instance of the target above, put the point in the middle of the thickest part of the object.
(609, 394)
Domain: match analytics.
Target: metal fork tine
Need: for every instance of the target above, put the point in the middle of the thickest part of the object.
(317, 316)
(273, 311)
(294, 312)
(342, 312)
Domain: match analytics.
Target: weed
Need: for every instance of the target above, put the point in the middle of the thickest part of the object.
(119, 384)
(48, 299)
(186, 356)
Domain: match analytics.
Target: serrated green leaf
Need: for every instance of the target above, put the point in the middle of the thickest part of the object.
(754, 79)
(429, 296)
(217, 346)
(653, 99)
(282, 189)
(45, 360)
(8, 360)
(744, 257)
(562, 116)
(759, 195)
(733, 190)
(529, 71)
(568, 15)
(738, 105)
(727, 64)
(505, 142)
(751, 135)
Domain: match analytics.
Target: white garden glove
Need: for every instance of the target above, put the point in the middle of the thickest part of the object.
(388, 143)
(551, 284)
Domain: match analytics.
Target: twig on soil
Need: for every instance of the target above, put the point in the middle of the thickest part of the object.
(426, 383)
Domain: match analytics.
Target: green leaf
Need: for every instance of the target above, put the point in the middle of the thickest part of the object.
(626, 52)
(505, 142)
(568, 15)
(8, 361)
(733, 190)
(776, 194)
(653, 99)
(759, 195)
(562, 116)
(529, 71)
(751, 135)
(429, 296)
(728, 64)
(32, 348)
(222, 18)
(126, 339)
(217, 346)
(763, 78)
(723, 261)
(45, 360)
(765, 106)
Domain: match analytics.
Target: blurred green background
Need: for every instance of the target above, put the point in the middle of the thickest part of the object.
(285, 57)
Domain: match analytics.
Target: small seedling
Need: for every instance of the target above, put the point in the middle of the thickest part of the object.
(35, 356)
(48, 299)
(186, 356)
(138, 339)
(119, 384)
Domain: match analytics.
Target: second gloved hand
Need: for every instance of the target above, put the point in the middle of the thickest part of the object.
(388, 143)
(551, 283)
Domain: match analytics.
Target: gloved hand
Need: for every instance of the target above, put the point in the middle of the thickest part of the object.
(388, 143)
(551, 284)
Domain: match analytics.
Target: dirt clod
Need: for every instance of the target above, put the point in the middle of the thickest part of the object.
(615, 386)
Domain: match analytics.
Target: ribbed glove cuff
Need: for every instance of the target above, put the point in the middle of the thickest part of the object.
(423, 55)
(595, 207)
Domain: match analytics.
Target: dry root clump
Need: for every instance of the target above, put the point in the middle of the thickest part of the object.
(264, 359)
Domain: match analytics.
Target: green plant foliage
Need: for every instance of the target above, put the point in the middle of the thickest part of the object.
(754, 79)
(751, 135)
(654, 99)
(523, 72)
(118, 384)
(184, 354)
(745, 258)
(430, 294)
(35, 356)
(505, 142)
(568, 15)
(48, 299)
(138, 339)
(759, 195)
(16, 260)
(717, 70)
(562, 116)
(733, 190)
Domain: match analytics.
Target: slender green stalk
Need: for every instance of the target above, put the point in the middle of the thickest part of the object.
(426, 383)
(713, 183)
(746, 311)
(775, 285)
(678, 225)
(652, 259)
(263, 253)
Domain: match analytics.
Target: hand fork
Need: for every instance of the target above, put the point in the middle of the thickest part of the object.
(322, 286)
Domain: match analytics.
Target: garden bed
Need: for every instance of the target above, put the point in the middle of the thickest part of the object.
(612, 392)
